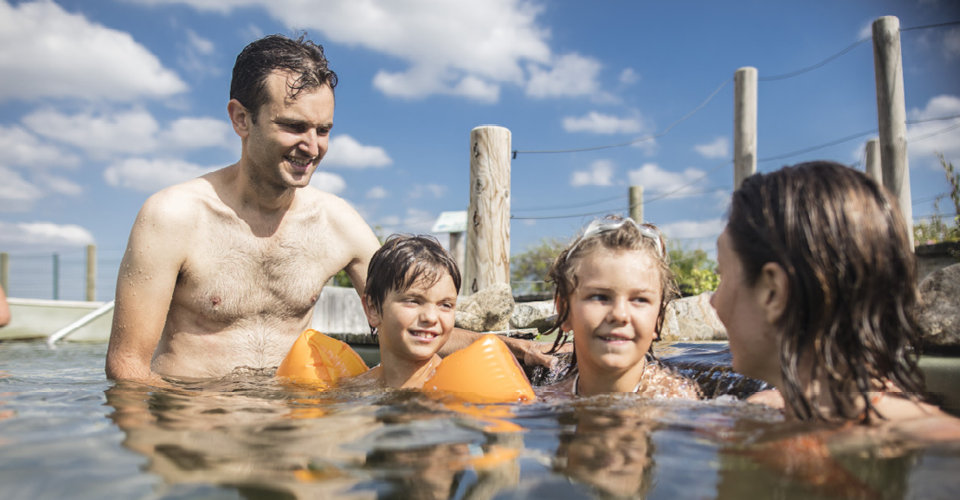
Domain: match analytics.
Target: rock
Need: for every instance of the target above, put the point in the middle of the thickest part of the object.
(939, 315)
(533, 315)
(488, 310)
(692, 318)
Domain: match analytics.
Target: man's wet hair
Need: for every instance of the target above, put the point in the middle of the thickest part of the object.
(302, 58)
(404, 260)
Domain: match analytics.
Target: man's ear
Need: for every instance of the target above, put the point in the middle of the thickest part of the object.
(240, 118)
(373, 317)
(774, 291)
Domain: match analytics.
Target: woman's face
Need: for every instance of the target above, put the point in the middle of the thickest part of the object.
(740, 306)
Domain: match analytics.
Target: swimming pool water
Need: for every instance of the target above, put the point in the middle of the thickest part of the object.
(67, 432)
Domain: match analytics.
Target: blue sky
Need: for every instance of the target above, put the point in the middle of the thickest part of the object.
(103, 103)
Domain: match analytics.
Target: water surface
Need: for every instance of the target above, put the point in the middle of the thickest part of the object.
(67, 432)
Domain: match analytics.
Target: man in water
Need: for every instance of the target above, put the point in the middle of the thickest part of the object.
(223, 271)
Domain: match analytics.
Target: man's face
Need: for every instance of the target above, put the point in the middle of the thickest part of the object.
(290, 136)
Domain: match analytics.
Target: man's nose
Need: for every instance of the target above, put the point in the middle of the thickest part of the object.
(310, 143)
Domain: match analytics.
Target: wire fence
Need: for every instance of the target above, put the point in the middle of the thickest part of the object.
(60, 275)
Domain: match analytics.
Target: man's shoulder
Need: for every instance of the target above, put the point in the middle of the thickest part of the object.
(181, 201)
(330, 206)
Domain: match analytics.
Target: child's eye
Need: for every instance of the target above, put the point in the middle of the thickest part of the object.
(597, 296)
(447, 306)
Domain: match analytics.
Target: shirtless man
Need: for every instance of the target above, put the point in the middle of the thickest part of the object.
(224, 271)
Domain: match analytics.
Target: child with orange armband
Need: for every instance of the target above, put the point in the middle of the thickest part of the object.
(410, 300)
(612, 287)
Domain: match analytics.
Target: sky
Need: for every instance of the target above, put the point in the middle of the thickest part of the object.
(104, 103)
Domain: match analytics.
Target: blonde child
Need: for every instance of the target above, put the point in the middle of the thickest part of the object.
(611, 289)
(410, 301)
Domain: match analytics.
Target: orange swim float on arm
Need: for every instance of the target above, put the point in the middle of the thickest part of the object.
(484, 372)
(317, 358)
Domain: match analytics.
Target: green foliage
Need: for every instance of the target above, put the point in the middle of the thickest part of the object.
(694, 271)
(935, 230)
(528, 270)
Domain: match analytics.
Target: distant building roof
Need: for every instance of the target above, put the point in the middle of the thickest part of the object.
(451, 222)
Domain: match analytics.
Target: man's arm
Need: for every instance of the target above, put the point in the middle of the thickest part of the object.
(528, 352)
(145, 284)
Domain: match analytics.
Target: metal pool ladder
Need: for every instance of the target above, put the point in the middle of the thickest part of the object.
(78, 324)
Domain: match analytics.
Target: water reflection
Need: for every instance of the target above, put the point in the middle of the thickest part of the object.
(267, 440)
(611, 450)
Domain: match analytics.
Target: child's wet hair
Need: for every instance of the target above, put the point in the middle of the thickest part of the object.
(404, 260)
(612, 233)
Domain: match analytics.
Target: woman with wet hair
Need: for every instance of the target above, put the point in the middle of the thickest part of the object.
(818, 295)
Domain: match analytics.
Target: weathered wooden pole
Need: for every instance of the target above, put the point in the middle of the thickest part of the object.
(872, 157)
(636, 203)
(5, 272)
(488, 217)
(91, 273)
(892, 114)
(456, 247)
(56, 276)
(744, 124)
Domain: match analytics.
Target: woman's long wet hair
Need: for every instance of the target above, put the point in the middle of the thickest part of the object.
(843, 243)
(563, 273)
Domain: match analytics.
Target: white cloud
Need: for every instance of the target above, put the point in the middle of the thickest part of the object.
(59, 185)
(598, 123)
(16, 194)
(693, 229)
(345, 151)
(54, 53)
(151, 175)
(435, 190)
(569, 75)
(629, 77)
(599, 174)
(866, 30)
(325, 181)
(467, 49)
(656, 180)
(461, 48)
(196, 133)
(197, 55)
(925, 140)
(719, 148)
(418, 221)
(19, 147)
(376, 193)
(129, 132)
(43, 235)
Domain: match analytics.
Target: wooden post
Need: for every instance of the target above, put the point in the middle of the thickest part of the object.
(56, 276)
(872, 157)
(91, 273)
(457, 248)
(744, 124)
(636, 203)
(892, 114)
(5, 272)
(488, 218)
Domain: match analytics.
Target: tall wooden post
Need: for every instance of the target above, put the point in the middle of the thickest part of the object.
(636, 203)
(5, 272)
(872, 158)
(892, 114)
(91, 272)
(744, 124)
(488, 218)
(56, 276)
(456, 248)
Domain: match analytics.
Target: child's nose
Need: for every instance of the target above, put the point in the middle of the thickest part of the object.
(618, 313)
(428, 314)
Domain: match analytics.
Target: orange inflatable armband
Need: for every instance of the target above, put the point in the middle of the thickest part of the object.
(484, 372)
(318, 358)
